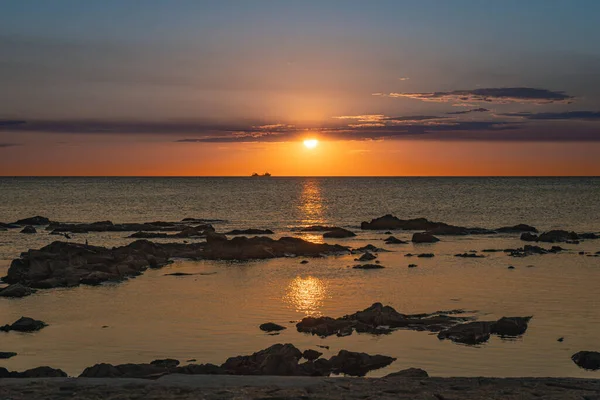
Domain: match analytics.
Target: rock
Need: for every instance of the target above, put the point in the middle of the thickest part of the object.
(471, 333)
(320, 367)
(322, 326)
(199, 369)
(510, 326)
(358, 364)
(316, 228)
(369, 247)
(511, 267)
(339, 233)
(560, 339)
(304, 262)
(4, 226)
(345, 331)
(6, 354)
(424, 238)
(517, 229)
(40, 372)
(529, 237)
(587, 360)
(29, 229)
(165, 363)
(469, 255)
(589, 235)
(311, 355)
(426, 255)
(368, 266)
(408, 373)
(557, 236)
(179, 274)
(70, 264)
(16, 290)
(367, 257)
(108, 226)
(394, 240)
(271, 327)
(279, 359)
(32, 221)
(101, 371)
(250, 232)
(412, 265)
(24, 324)
(389, 221)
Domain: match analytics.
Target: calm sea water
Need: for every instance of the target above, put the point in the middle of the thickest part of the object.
(214, 316)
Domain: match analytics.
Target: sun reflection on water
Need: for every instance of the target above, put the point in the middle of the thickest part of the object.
(306, 295)
(311, 209)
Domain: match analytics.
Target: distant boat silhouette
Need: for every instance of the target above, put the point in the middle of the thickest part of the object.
(265, 175)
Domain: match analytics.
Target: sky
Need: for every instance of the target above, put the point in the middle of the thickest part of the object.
(391, 88)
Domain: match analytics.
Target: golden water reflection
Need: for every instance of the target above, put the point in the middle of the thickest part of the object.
(306, 295)
(311, 209)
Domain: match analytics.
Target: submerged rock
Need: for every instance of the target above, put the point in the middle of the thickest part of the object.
(477, 332)
(424, 238)
(469, 255)
(510, 326)
(368, 266)
(426, 255)
(24, 324)
(271, 327)
(16, 290)
(358, 364)
(250, 231)
(517, 229)
(6, 354)
(339, 233)
(369, 247)
(29, 230)
(587, 360)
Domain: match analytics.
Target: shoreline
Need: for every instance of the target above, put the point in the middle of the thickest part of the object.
(250, 387)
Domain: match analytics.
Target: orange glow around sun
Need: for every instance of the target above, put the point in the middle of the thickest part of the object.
(311, 143)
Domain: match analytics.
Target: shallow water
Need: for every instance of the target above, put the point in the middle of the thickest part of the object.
(214, 315)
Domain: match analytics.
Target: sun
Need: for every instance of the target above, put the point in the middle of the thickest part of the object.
(311, 143)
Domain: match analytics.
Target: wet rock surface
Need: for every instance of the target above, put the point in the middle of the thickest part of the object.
(358, 364)
(394, 240)
(369, 266)
(379, 319)
(367, 256)
(16, 290)
(63, 264)
(477, 332)
(29, 230)
(24, 324)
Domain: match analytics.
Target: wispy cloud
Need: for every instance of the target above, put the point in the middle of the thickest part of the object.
(6, 145)
(490, 95)
(404, 78)
(567, 115)
(473, 110)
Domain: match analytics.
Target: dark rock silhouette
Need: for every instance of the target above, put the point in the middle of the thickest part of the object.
(29, 230)
(372, 319)
(311, 355)
(368, 266)
(369, 247)
(409, 373)
(39, 372)
(24, 324)
(367, 257)
(108, 226)
(271, 327)
(358, 364)
(70, 264)
(390, 222)
(469, 255)
(16, 290)
(394, 240)
(153, 370)
(6, 354)
(4, 226)
(339, 233)
(477, 332)
(37, 220)
(250, 231)
(587, 360)
(517, 229)
(426, 255)
(316, 228)
(424, 238)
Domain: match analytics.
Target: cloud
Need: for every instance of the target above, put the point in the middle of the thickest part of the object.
(404, 78)
(490, 95)
(473, 110)
(568, 115)
(5, 145)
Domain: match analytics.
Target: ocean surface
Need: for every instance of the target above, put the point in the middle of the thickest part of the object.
(214, 315)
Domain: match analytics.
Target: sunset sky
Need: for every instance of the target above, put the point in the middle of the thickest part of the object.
(425, 87)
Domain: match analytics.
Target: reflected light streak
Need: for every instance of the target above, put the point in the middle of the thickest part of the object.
(306, 295)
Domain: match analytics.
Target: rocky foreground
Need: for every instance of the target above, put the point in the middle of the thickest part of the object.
(394, 386)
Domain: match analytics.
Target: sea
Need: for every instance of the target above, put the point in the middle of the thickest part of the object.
(215, 313)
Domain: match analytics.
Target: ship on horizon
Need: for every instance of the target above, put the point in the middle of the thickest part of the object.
(265, 175)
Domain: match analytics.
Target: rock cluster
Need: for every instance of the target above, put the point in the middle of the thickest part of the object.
(477, 332)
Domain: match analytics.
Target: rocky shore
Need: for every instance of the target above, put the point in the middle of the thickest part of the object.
(393, 386)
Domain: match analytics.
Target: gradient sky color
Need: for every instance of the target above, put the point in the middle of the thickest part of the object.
(231, 87)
